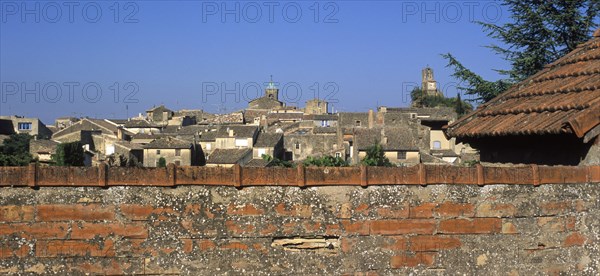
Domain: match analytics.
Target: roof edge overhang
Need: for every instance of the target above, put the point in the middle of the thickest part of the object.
(585, 122)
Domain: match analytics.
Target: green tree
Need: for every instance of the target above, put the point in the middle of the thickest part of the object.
(276, 162)
(162, 162)
(376, 157)
(325, 161)
(539, 33)
(420, 100)
(69, 154)
(14, 151)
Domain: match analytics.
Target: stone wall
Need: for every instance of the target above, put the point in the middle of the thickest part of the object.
(74, 221)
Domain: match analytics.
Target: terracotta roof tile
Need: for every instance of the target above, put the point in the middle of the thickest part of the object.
(564, 97)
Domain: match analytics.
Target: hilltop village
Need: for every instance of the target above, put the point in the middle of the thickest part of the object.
(267, 130)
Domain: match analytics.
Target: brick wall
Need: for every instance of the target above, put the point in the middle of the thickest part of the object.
(358, 229)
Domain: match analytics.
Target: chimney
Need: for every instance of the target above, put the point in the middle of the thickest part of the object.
(120, 135)
(371, 118)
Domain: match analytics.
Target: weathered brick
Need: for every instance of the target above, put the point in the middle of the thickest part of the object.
(574, 239)
(509, 228)
(304, 211)
(496, 210)
(394, 213)
(12, 213)
(137, 212)
(239, 230)
(356, 227)
(405, 226)
(244, 210)
(396, 243)
(471, 226)
(556, 207)
(453, 209)
(555, 224)
(92, 212)
(92, 230)
(50, 230)
(419, 258)
(424, 210)
(8, 250)
(433, 243)
(72, 248)
(347, 244)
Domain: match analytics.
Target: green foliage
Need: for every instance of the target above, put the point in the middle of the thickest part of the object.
(376, 157)
(69, 154)
(419, 99)
(276, 162)
(162, 162)
(14, 151)
(325, 161)
(539, 33)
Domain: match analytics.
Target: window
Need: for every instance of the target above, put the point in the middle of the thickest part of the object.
(357, 123)
(178, 163)
(241, 142)
(402, 155)
(177, 152)
(324, 123)
(261, 152)
(437, 145)
(338, 154)
(297, 145)
(157, 151)
(24, 126)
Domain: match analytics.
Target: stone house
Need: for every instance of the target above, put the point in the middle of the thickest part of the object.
(304, 142)
(173, 150)
(236, 136)
(550, 118)
(31, 126)
(159, 114)
(42, 150)
(270, 144)
(400, 145)
(229, 157)
(269, 101)
(316, 106)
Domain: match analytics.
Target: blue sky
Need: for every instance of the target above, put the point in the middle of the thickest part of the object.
(357, 54)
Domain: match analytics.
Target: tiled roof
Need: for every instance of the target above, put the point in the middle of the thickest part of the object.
(322, 130)
(563, 98)
(320, 117)
(258, 163)
(88, 124)
(239, 131)
(231, 118)
(267, 140)
(397, 138)
(160, 108)
(227, 156)
(140, 124)
(168, 143)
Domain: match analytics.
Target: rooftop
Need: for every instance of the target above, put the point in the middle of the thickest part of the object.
(563, 98)
(227, 156)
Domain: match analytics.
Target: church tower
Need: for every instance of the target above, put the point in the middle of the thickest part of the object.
(429, 85)
(271, 91)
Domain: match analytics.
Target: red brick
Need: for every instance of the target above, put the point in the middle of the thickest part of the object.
(433, 243)
(388, 212)
(303, 211)
(333, 229)
(237, 229)
(92, 212)
(205, 244)
(452, 210)
(399, 227)
(357, 227)
(311, 227)
(245, 210)
(8, 251)
(235, 245)
(12, 213)
(419, 258)
(396, 243)
(424, 210)
(270, 229)
(51, 230)
(471, 226)
(187, 245)
(72, 248)
(362, 209)
(192, 210)
(555, 224)
(574, 239)
(347, 244)
(92, 230)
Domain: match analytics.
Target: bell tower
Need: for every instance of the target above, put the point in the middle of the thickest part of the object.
(428, 84)
(271, 91)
